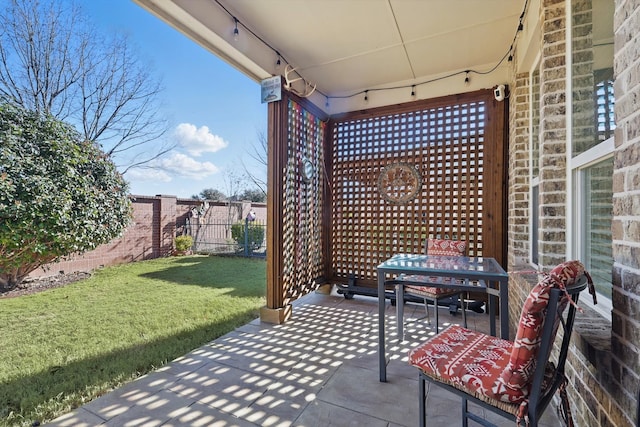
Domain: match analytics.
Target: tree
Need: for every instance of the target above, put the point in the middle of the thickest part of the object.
(235, 183)
(257, 174)
(59, 194)
(253, 195)
(210, 194)
(53, 62)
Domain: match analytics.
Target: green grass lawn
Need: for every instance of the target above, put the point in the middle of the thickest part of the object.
(63, 347)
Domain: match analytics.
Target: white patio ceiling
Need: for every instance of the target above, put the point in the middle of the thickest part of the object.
(346, 47)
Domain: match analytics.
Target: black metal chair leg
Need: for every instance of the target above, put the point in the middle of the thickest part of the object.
(638, 410)
(464, 309)
(426, 310)
(465, 421)
(422, 406)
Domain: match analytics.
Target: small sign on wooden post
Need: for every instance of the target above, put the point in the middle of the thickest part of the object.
(271, 89)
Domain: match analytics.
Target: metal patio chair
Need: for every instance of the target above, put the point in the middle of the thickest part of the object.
(426, 288)
(516, 379)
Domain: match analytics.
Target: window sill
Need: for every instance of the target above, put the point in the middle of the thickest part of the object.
(592, 338)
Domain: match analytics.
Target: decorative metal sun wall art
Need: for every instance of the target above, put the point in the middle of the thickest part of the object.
(399, 183)
(307, 170)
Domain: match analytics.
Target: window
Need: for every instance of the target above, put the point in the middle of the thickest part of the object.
(595, 182)
(604, 101)
(592, 127)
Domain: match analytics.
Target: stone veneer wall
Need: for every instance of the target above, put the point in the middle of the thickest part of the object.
(518, 204)
(582, 79)
(625, 336)
(604, 362)
(553, 135)
(519, 187)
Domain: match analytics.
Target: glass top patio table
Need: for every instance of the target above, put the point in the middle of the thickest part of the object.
(450, 266)
(478, 274)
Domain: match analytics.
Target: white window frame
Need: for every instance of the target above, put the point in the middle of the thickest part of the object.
(575, 170)
(577, 166)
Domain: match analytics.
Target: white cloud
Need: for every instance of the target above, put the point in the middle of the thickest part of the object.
(140, 174)
(198, 140)
(184, 166)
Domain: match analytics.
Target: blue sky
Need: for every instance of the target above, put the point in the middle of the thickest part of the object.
(214, 110)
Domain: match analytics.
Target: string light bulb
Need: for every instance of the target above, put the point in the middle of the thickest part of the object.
(413, 91)
(236, 33)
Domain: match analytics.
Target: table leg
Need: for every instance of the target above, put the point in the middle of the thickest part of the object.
(382, 356)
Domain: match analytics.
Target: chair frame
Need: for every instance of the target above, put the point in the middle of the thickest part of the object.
(538, 399)
(434, 299)
(638, 410)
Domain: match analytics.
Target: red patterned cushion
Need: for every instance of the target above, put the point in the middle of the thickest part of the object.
(428, 291)
(435, 247)
(487, 366)
(446, 247)
(468, 360)
(526, 344)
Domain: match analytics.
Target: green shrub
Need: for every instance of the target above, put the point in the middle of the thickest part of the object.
(59, 194)
(183, 243)
(255, 235)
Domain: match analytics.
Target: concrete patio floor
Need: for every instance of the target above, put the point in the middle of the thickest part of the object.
(318, 369)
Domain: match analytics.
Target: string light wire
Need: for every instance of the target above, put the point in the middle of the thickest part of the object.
(508, 54)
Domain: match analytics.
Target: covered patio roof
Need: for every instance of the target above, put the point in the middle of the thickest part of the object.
(393, 50)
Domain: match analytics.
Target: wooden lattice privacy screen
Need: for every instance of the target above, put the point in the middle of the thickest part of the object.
(303, 256)
(399, 177)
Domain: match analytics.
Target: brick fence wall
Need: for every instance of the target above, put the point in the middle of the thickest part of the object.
(156, 221)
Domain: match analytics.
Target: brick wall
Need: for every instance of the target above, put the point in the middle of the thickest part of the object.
(518, 234)
(582, 79)
(553, 136)
(625, 337)
(156, 222)
(604, 361)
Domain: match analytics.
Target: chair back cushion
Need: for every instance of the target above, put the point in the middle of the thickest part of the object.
(522, 362)
(446, 247)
